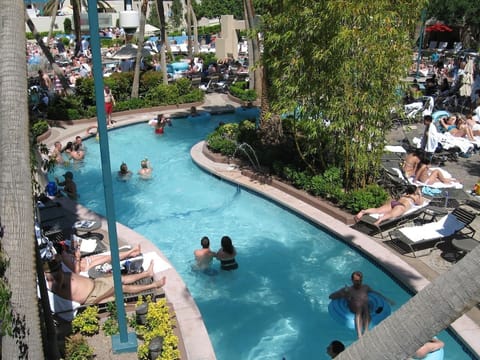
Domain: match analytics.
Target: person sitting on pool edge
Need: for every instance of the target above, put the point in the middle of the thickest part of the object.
(395, 208)
(145, 171)
(204, 256)
(226, 254)
(357, 300)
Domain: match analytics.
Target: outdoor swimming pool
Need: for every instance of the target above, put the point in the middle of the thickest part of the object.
(275, 304)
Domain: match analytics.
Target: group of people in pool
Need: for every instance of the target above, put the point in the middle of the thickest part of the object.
(226, 255)
(73, 150)
(356, 296)
(144, 173)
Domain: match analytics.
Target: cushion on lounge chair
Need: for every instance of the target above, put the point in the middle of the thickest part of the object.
(439, 231)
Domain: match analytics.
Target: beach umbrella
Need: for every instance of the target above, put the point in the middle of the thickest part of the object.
(438, 27)
(467, 79)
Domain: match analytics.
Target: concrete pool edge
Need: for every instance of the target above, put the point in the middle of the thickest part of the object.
(464, 327)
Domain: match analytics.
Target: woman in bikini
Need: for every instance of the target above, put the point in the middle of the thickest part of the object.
(409, 165)
(427, 176)
(394, 208)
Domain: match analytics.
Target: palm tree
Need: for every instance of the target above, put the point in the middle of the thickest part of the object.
(163, 40)
(16, 212)
(138, 59)
(254, 55)
(189, 28)
(433, 309)
(53, 14)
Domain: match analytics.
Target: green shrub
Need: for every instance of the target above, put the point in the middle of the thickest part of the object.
(65, 108)
(87, 322)
(371, 196)
(328, 185)
(67, 26)
(131, 104)
(77, 348)
(162, 95)
(247, 132)
(195, 95)
(240, 90)
(150, 79)
(184, 86)
(39, 128)
(224, 139)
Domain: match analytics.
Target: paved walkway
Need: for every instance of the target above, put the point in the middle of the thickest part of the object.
(415, 273)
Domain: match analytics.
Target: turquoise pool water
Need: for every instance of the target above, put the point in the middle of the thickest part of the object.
(275, 304)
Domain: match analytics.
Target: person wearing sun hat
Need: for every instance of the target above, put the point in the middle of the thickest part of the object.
(69, 186)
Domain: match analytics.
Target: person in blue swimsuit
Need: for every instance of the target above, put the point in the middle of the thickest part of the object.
(395, 208)
(227, 254)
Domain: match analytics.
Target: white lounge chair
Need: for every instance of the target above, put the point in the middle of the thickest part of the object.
(437, 232)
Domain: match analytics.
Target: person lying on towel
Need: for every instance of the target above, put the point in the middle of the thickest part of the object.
(87, 291)
(395, 208)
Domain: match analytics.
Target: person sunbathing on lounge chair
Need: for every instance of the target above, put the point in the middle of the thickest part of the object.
(427, 176)
(409, 164)
(87, 291)
(78, 264)
(394, 208)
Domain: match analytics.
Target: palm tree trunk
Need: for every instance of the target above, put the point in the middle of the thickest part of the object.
(52, 22)
(254, 55)
(46, 51)
(189, 28)
(433, 309)
(163, 40)
(16, 189)
(76, 24)
(138, 59)
(195, 30)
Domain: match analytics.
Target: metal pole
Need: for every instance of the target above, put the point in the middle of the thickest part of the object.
(420, 44)
(127, 342)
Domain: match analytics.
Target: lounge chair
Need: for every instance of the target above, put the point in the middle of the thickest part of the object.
(458, 221)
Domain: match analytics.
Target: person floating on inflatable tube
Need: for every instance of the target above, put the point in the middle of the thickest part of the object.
(357, 300)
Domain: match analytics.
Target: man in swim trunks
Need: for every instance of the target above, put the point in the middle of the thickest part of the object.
(87, 291)
(204, 256)
(357, 299)
(394, 208)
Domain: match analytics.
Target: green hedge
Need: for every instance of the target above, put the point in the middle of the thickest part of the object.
(152, 92)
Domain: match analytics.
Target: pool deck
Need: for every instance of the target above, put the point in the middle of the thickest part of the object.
(414, 273)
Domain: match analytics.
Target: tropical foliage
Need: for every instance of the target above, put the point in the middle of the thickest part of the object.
(216, 8)
(336, 66)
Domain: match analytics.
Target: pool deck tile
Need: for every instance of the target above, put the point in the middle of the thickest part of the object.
(189, 319)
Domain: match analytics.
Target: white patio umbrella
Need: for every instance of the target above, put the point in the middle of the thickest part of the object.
(128, 51)
(467, 79)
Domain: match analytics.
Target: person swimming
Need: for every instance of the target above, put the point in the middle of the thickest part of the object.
(145, 171)
(124, 173)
